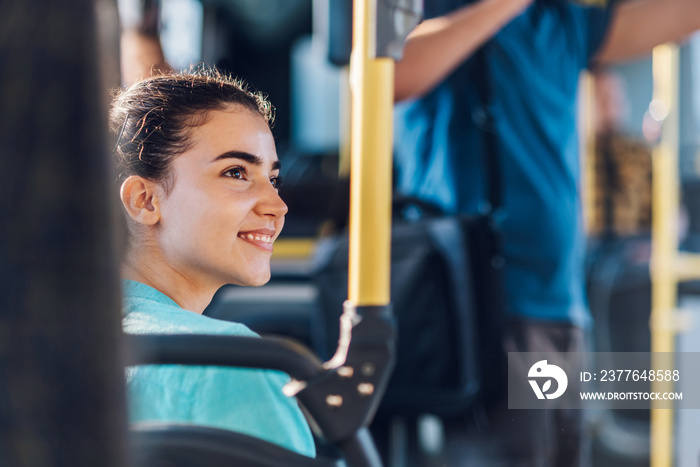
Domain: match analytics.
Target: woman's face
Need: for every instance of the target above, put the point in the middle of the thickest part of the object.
(223, 211)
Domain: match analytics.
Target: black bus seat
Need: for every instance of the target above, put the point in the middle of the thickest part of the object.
(183, 445)
(368, 344)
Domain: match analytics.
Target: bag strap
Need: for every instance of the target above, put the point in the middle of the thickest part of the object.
(484, 120)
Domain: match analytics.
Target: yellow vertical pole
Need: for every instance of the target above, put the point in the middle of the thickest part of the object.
(664, 242)
(372, 88)
(344, 130)
(587, 139)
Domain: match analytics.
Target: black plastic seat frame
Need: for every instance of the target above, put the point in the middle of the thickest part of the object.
(341, 396)
(174, 445)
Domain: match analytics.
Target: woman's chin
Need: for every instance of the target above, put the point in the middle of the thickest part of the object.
(254, 281)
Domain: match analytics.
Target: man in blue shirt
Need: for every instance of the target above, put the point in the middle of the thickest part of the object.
(533, 52)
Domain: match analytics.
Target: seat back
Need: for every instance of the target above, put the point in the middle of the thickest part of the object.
(437, 349)
(182, 445)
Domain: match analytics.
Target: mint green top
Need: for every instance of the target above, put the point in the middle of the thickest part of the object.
(248, 401)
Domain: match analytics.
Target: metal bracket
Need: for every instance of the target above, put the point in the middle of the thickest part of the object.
(345, 397)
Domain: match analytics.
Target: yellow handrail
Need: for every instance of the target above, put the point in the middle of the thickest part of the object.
(664, 257)
(372, 88)
(587, 146)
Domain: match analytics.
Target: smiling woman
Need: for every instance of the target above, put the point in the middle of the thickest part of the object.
(200, 179)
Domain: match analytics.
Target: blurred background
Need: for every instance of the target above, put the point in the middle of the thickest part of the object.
(295, 50)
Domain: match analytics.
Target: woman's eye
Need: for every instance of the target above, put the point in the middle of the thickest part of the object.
(236, 172)
(276, 182)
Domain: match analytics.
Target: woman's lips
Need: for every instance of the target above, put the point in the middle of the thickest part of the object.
(262, 240)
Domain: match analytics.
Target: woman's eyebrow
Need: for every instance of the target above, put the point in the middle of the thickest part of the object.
(247, 157)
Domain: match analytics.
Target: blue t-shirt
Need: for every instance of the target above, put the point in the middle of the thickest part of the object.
(247, 401)
(534, 64)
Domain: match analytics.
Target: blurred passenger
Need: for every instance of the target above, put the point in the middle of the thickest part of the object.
(622, 164)
(200, 179)
(533, 53)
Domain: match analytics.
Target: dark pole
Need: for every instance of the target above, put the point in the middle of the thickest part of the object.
(61, 381)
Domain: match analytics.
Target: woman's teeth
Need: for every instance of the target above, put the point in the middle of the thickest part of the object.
(256, 237)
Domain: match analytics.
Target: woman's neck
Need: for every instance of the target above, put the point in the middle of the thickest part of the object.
(147, 266)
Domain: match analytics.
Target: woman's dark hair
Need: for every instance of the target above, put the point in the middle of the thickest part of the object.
(151, 120)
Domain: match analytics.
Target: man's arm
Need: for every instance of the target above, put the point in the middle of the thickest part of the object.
(141, 52)
(141, 56)
(437, 46)
(638, 26)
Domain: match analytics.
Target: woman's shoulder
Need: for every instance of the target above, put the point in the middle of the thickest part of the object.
(148, 311)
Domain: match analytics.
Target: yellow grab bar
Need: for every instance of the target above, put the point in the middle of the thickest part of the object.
(372, 94)
(664, 256)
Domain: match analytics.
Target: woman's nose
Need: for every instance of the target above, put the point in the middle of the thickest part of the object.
(270, 203)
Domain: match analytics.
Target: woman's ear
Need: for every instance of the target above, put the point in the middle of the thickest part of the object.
(140, 199)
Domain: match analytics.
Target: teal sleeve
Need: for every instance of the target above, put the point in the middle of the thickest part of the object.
(247, 401)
